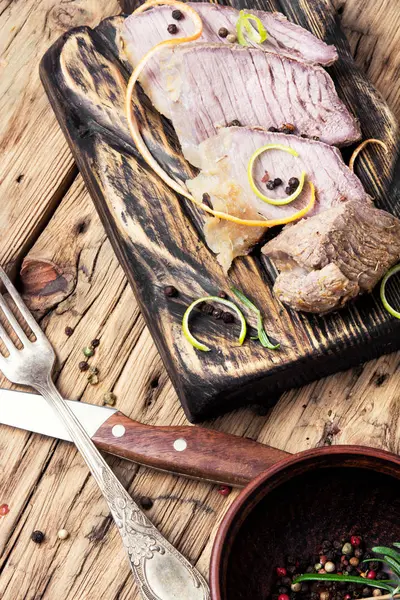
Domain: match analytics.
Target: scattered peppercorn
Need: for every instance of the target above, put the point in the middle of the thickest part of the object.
(371, 575)
(83, 365)
(37, 537)
(224, 490)
(88, 351)
(208, 309)
(222, 294)
(355, 541)
(69, 331)
(330, 567)
(146, 502)
(172, 29)
(177, 15)
(354, 561)
(347, 549)
(170, 291)
(109, 398)
(288, 128)
(288, 190)
(93, 379)
(265, 177)
(296, 587)
(228, 317)
(272, 129)
(303, 135)
(231, 38)
(376, 592)
(63, 534)
(223, 32)
(277, 181)
(217, 314)
(235, 123)
(293, 182)
(270, 185)
(207, 200)
(4, 510)
(316, 138)
(95, 343)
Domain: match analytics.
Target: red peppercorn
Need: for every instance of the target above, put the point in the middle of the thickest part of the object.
(4, 510)
(323, 559)
(224, 490)
(355, 541)
(371, 575)
(347, 597)
(281, 571)
(283, 597)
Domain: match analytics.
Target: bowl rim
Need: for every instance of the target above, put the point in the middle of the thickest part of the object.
(256, 484)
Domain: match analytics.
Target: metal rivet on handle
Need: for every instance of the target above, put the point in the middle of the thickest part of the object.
(118, 430)
(180, 445)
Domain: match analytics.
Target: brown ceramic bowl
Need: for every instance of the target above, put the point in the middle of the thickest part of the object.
(320, 494)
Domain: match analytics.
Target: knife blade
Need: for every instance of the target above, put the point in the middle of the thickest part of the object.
(191, 451)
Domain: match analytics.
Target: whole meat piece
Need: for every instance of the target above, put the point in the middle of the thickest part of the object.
(333, 256)
(223, 176)
(143, 31)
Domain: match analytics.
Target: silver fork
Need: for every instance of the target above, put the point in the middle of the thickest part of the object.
(161, 572)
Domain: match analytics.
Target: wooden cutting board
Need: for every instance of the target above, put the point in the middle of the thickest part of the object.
(158, 236)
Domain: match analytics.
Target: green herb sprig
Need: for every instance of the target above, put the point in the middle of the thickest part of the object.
(387, 556)
(262, 334)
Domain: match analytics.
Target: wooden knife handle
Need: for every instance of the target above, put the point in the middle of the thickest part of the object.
(190, 451)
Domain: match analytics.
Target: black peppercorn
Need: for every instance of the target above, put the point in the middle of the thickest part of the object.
(272, 129)
(208, 309)
(207, 200)
(288, 191)
(235, 123)
(177, 15)
(382, 575)
(316, 138)
(223, 32)
(172, 29)
(146, 502)
(228, 317)
(293, 183)
(277, 181)
(366, 592)
(83, 365)
(69, 331)
(170, 291)
(37, 537)
(222, 294)
(303, 135)
(217, 314)
(270, 185)
(283, 590)
(95, 343)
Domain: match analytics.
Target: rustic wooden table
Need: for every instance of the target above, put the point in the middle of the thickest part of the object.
(52, 238)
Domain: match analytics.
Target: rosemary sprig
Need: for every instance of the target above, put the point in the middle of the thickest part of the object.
(262, 334)
(389, 557)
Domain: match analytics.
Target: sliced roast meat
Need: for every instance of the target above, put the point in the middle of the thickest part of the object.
(334, 256)
(204, 87)
(223, 162)
(143, 31)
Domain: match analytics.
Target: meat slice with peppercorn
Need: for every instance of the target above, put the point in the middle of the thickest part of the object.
(204, 87)
(143, 31)
(334, 256)
(223, 177)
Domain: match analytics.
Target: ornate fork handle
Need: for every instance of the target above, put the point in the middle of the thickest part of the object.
(161, 572)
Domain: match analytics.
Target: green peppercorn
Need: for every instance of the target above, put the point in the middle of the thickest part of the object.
(88, 351)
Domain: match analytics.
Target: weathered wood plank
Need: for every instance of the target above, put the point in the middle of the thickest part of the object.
(36, 167)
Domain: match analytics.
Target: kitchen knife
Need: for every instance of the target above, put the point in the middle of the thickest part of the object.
(184, 450)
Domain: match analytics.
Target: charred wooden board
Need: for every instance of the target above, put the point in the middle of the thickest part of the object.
(158, 236)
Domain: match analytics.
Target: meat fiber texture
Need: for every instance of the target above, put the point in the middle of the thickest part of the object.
(224, 160)
(204, 87)
(334, 256)
(143, 31)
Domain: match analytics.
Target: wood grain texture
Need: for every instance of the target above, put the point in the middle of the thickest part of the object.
(159, 241)
(46, 484)
(209, 455)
